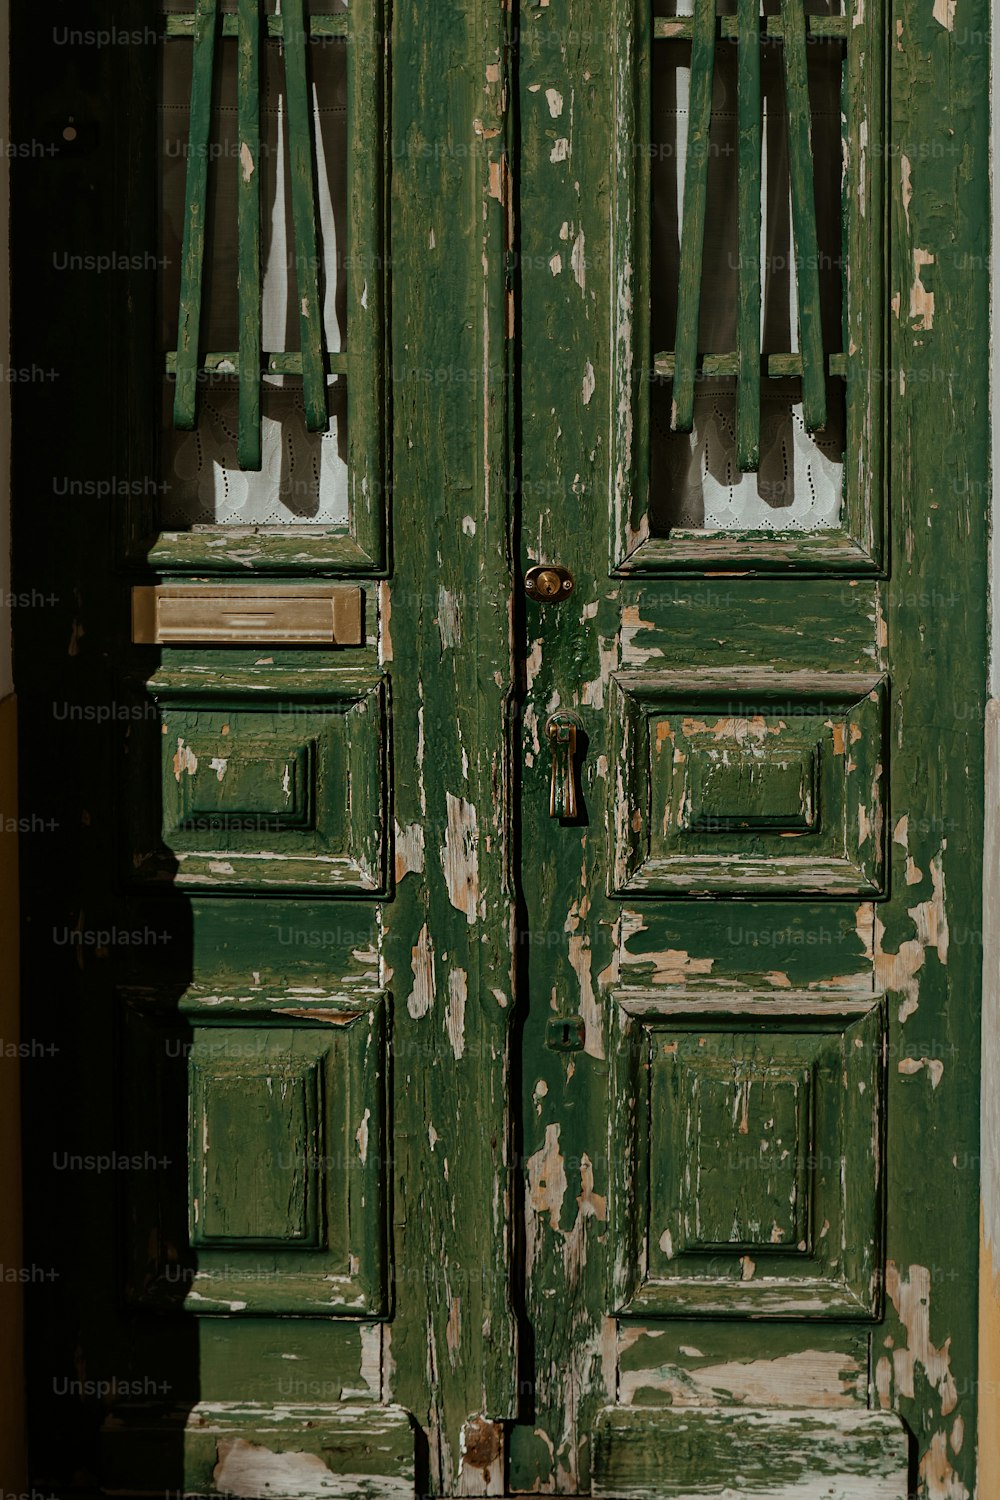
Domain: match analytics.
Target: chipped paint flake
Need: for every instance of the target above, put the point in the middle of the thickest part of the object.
(251, 1471)
(589, 383)
(361, 1136)
(458, 994)
(409, 850)
(898, 971)
(632, 624)
(810, 1377)
(547, 1178)
(184, 760)
(908, 1066)
(460, 856)
(921, 300)
(449, 619)
(578, 261)
(421, 996)
(912, 1300)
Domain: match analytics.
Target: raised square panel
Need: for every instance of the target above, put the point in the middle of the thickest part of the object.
(746, 1126)
(255, 782)
(267, 1135)
(746, 1130)
(745, 783)
(267, 782)
(267, 1194)
(740, 785)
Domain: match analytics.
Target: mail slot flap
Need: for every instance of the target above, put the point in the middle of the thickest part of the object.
(250, 614)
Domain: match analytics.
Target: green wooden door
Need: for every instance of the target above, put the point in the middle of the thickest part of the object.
(492, 1036)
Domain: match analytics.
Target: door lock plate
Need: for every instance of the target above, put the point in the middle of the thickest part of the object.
(548, 583)
(566, 1033)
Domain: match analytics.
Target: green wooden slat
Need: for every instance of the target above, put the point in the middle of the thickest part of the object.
(778, 365)
(303, 192)
(748, 206)
(834, 28)
(693, 227)
(227, 362)
(195, 207)
(325, 26)
(248, 447)
(681, 28)
(800, 172)
(365, 330)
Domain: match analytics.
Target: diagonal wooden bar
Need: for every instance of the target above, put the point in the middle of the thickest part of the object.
(248, 445)
(800, 172)
(749, 215)
(195, 200)
(303, 194)
(693, 226)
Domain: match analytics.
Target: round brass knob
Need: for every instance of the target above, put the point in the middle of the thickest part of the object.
(548, 583)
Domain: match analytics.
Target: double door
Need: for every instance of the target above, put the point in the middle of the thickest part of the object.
(510, 716)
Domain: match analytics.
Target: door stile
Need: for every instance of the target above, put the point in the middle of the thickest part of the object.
(568, 325)
(927, 942)
(446, 639)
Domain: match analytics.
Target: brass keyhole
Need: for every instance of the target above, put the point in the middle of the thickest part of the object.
(548, 582)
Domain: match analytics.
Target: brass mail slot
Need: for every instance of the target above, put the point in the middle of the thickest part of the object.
(209, 614)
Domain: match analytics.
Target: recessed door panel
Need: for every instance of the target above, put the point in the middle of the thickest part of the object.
(269, 794)
(749, 1131)
(266, 1186)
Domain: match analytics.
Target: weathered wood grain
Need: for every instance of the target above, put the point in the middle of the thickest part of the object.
(807, 1454)
(452, 1349)
(292, 1450)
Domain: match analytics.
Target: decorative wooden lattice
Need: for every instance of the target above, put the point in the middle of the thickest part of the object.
(793, 29)
(251, 26)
